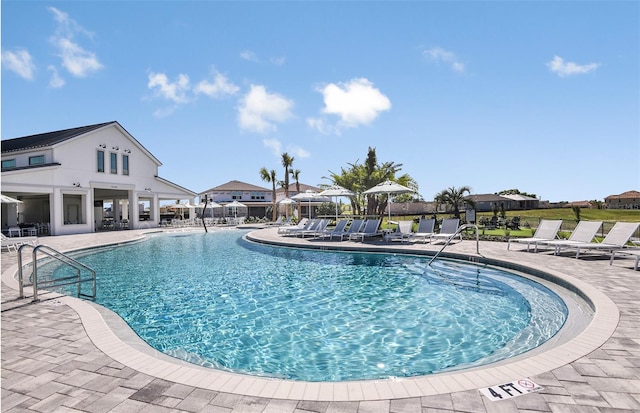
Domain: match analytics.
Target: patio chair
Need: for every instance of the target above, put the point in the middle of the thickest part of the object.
(302, 224)
(402, 232)
(426, 228)
(632, 252)
(546, 231)
(370, 229)
(448, 230)
(315, 231)
(12, 244)
(585, 231)
(355, 227)
(311, 225)
(616, 239)
(338, 230)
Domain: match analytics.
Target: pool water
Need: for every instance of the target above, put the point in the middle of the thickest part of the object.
(217, 300)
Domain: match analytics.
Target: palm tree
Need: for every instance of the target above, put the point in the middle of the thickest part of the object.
(287, 161)
(270, 176)
(453, 198)
(296, 175)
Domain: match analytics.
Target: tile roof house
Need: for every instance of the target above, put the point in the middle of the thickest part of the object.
(66, 179)
(625, 200)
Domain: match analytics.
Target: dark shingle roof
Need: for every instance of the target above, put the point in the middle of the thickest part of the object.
(47, 139)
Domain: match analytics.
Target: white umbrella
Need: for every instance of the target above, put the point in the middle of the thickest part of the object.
(336, 191)
(287, 201)
(388, 187)
(235, 205)
(9, 200)
(210, 205)
(310, 195)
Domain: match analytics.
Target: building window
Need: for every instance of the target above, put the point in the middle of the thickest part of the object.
(114, 163)
(125, 164)
(257, 195)
(36, 160)
(100, 161)
(236, 195)
(8, 163)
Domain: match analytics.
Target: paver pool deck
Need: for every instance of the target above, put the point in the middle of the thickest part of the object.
(63, 354)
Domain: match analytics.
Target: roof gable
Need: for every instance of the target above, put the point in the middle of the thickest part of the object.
(236, 186)
(625, 195)
(42, 140)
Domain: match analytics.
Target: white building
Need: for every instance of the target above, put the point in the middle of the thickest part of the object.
(66, 180)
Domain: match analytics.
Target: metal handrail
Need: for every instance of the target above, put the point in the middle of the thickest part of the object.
(448, 241)
(65, 259)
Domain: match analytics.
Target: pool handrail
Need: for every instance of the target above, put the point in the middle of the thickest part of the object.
(448, 241)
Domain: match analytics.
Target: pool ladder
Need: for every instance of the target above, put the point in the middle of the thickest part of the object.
(53, 254)
(448, 241)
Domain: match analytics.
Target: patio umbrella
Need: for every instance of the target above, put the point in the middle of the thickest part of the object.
(388, 187)
(9, 200)
(210, 205)
(310, 195)
(336, 191)
(287, 201)
(235, 205)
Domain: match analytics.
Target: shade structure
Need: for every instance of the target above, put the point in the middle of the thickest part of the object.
(9, 200)
(388, 187)
(336, 191)
(310, 195)
(287, 201)
(235, 205)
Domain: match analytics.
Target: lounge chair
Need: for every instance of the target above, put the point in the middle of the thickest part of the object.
(546, 231)
(448, 230)
(303, 224)
(338, 230)
(633, 252)
(585, 231)
(616, 239)
(425, 229)
(12, 244)
(402, 232)
(370, 229)
(316, 231)
(310, 225)
(355, 227)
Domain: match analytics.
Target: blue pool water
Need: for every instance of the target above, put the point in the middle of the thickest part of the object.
(219, 301)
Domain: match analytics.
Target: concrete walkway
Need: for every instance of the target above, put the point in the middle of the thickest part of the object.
(57, 356)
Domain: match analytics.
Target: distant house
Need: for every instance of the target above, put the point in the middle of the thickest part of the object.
(523, 202)
(84, 179)
(580, 204)
(626, 200)
(487, 202)
(255, 198)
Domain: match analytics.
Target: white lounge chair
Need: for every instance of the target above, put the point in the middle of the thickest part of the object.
(448, 230)
(302, 224)
(547, 230)
(425, 229)
(315, 231)
(12, 244)
(402, 232)
(310, 225)
(338, 230)
(355, 227)
(370, 229)
(585, 231)
(616, 239)
(632, 252)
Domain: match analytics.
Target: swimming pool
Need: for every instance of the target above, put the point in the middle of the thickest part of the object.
(319, 316)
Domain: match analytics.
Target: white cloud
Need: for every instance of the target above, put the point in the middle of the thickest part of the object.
(273, 145)
(249, 56)
(297, 151)
(164, 112)
(356, 102)
(259, 110)
(439, 54)
(173, 91)
(321, 126)
(56, 81)
(19, 62)
(219, 88)
(78, 61)
(562, 68)
(278, 61)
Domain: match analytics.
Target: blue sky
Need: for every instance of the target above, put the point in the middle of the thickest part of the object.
(539, 96)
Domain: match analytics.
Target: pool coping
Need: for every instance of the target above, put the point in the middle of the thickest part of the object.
(143, 358)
